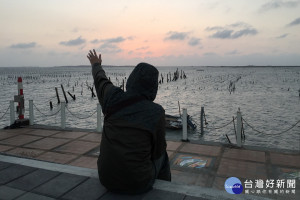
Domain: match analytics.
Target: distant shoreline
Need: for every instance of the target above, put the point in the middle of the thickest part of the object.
(254, 66)
(227, 66)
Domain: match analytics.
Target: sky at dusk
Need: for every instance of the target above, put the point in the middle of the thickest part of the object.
(161, 32)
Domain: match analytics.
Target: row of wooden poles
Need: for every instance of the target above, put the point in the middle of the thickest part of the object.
(71, 95)
(170, 77)
(176, 76)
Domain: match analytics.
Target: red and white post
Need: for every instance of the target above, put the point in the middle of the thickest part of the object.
(21, 105)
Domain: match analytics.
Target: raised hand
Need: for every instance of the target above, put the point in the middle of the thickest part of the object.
(92, 56)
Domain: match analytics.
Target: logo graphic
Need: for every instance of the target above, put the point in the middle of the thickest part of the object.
(233, 185)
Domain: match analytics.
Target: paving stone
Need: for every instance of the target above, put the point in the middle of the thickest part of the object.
(286, 173)
(24, 152)
(4, 165)
(285, 159)
(173, 146)
(33, 179)
(19, 130)
(258, 156)
(170, 154)
(32, 196)
(4, 135)
(219, 183)
(94, 152)
(92, 137)
(42, 132)
(113, 196)
(77, 147)
(7, 193)
(201, 149)
(90, 189)
(242, 169)
(56, 157)
(47, 143)
(288, 170)
(13, 172)
(59, 185)
(85, 161)
(4, 148)
(184, 177)
(204, 180)
(20, 140)
(162, 195)
(69, 135)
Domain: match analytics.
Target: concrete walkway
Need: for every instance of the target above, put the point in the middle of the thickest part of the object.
(26, 179)
(79, 150)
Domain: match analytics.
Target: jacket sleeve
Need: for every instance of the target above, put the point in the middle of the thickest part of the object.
(102, 84)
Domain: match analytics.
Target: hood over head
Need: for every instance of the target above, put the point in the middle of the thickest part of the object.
(143, 80)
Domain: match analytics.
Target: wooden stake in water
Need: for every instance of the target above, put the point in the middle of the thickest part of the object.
(51, 106)
(92, 90)
(57, 96)
(228, 138)
(73, 96)
(201, 119)
(62, 87)
(179, 108)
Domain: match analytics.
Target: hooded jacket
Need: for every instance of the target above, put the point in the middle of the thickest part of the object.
(133, 131)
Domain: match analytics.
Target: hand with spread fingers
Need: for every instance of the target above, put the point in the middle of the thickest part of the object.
(92, 56)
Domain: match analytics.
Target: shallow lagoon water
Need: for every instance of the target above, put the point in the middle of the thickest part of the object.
(268, 98)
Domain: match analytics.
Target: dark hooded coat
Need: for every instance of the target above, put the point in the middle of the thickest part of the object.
(133, 132)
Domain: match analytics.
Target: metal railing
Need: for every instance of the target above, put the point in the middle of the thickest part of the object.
(61, 110)
(238, 126)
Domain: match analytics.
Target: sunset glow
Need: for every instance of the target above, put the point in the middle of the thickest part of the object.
(162, 32)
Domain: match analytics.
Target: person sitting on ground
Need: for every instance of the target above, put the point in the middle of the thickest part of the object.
(133, 146)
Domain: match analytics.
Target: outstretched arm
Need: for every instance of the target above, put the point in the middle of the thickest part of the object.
(102, 84)
(94, 59)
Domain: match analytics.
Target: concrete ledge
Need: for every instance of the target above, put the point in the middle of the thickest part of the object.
(190, 190)
(50, 166)
(197, 191)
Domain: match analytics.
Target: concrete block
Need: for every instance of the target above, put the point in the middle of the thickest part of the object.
(7, 193)
(59, 185)
(33, 179)
(90, 189)
(4, 165)
(14, 172)
(32, 196)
